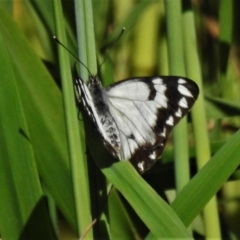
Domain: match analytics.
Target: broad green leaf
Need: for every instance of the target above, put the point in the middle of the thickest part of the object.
(42, 104)
(19, 180)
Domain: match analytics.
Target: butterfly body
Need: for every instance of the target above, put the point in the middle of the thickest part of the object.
(95, 102)
(135, 116)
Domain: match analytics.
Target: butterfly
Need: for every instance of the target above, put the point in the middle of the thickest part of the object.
(136, 115)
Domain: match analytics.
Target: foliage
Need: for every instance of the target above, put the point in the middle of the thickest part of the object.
(49, 181)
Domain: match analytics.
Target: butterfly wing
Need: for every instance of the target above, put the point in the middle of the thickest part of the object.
(92, 98)
(145, 110)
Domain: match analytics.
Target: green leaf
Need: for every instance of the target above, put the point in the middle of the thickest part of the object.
(42, 104)
(208, 181)
(19, 180)
(217, 108)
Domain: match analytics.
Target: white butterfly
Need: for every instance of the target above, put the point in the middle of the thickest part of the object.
(135, 116)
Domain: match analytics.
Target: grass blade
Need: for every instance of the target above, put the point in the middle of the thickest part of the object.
(79, 180)
(198, 114)
(20, 186)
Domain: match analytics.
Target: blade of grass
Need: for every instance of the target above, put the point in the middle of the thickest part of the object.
(80, 181)
(203, 153)
(208, 181)
(87, 46)
(176, 67)
(90, 37)
(87, 54)
(18, 176)
(81, 38)
(42, 105)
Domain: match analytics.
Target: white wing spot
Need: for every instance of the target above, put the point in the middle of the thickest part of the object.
(170, 121)
(183, 103)
(161, 100)
(157, 81)
(153, 156)
(184, 91)
(178, 113)
(163, 133)
(140, 166)
(161, 88)
(181, 81)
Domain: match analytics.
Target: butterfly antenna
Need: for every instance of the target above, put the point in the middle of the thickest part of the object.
(57, 41)
(114, 43)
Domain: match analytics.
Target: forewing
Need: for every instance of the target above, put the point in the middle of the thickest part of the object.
(145, 111)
